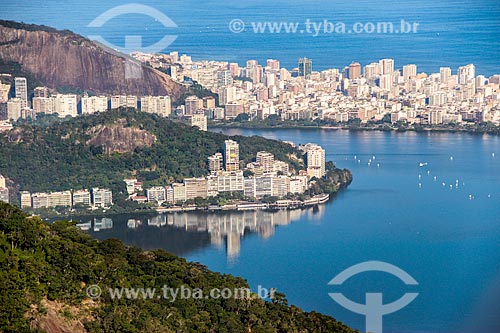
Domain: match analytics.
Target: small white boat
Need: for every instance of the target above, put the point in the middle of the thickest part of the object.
(423, 164)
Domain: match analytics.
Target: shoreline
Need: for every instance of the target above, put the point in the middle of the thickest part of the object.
(213, 126)
(279, 205)
(284, 204)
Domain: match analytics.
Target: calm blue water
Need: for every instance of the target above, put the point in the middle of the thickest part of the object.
(451, 32)
(449, 243)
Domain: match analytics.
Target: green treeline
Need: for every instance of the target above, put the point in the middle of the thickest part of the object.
(44, 263)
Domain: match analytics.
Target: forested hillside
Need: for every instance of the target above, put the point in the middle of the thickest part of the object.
(101, 150)
(45, 270)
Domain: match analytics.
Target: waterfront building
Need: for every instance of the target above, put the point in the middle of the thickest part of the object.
(196, 188)
(230, 181)
(59, 199)
(179, 192)
(102, 198)
(386, 66)
(315, 158)
(198, 120)
(157, 195)
(82, 198)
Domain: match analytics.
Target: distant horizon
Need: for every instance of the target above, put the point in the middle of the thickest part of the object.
(450, 33)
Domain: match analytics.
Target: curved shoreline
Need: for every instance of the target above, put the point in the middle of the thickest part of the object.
(279, 205)
(354, 129)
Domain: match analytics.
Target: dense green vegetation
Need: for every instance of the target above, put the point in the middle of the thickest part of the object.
(33, 27)
(57, 157)
(45, 264)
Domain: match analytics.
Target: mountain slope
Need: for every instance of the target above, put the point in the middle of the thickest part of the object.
(46, 269)
(64, 59)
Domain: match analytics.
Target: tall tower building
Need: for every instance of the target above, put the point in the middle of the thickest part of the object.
(409, 71)
(305, 67)
(192, 104)
(21, 87)
(41, 92)
(315, 156)
(371, 70)
(231, 155)
(234, 68)
(273, 64)
(444, 74)
(465, 73)
(386, 66)
(215, 162)
(354, 70)
(266, 161)
(224, 78)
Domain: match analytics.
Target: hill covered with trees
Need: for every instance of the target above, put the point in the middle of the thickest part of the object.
(46, 270)
(101, 150)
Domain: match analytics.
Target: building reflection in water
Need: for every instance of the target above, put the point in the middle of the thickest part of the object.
(182, 233)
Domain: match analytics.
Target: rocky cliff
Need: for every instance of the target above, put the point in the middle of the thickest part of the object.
(119, 139)
(64, 59)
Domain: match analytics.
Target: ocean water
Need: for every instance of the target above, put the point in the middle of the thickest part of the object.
(447, 239)
(450, 33)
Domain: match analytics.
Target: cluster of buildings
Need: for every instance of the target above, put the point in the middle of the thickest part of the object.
(266, 177)
(355, 92)
(96, 198)
(4, 191)
(23, 105)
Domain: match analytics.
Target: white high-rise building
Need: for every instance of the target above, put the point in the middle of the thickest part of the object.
(65, 105)
(157, 195)
(466, 73)
(123, 102)
(371, 70)
(160, 105)
(315, 157)
(94, 104)
(227, 95)
(266, 161)
(444, 74)
(231, 155)
(386, 66)
(43, 105)
(409, 71)
(386, 81)
(192, 105)
(224, 78)
(21, 88)
(14, 108)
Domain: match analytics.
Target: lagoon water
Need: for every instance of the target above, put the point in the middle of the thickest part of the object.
(446, 238)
